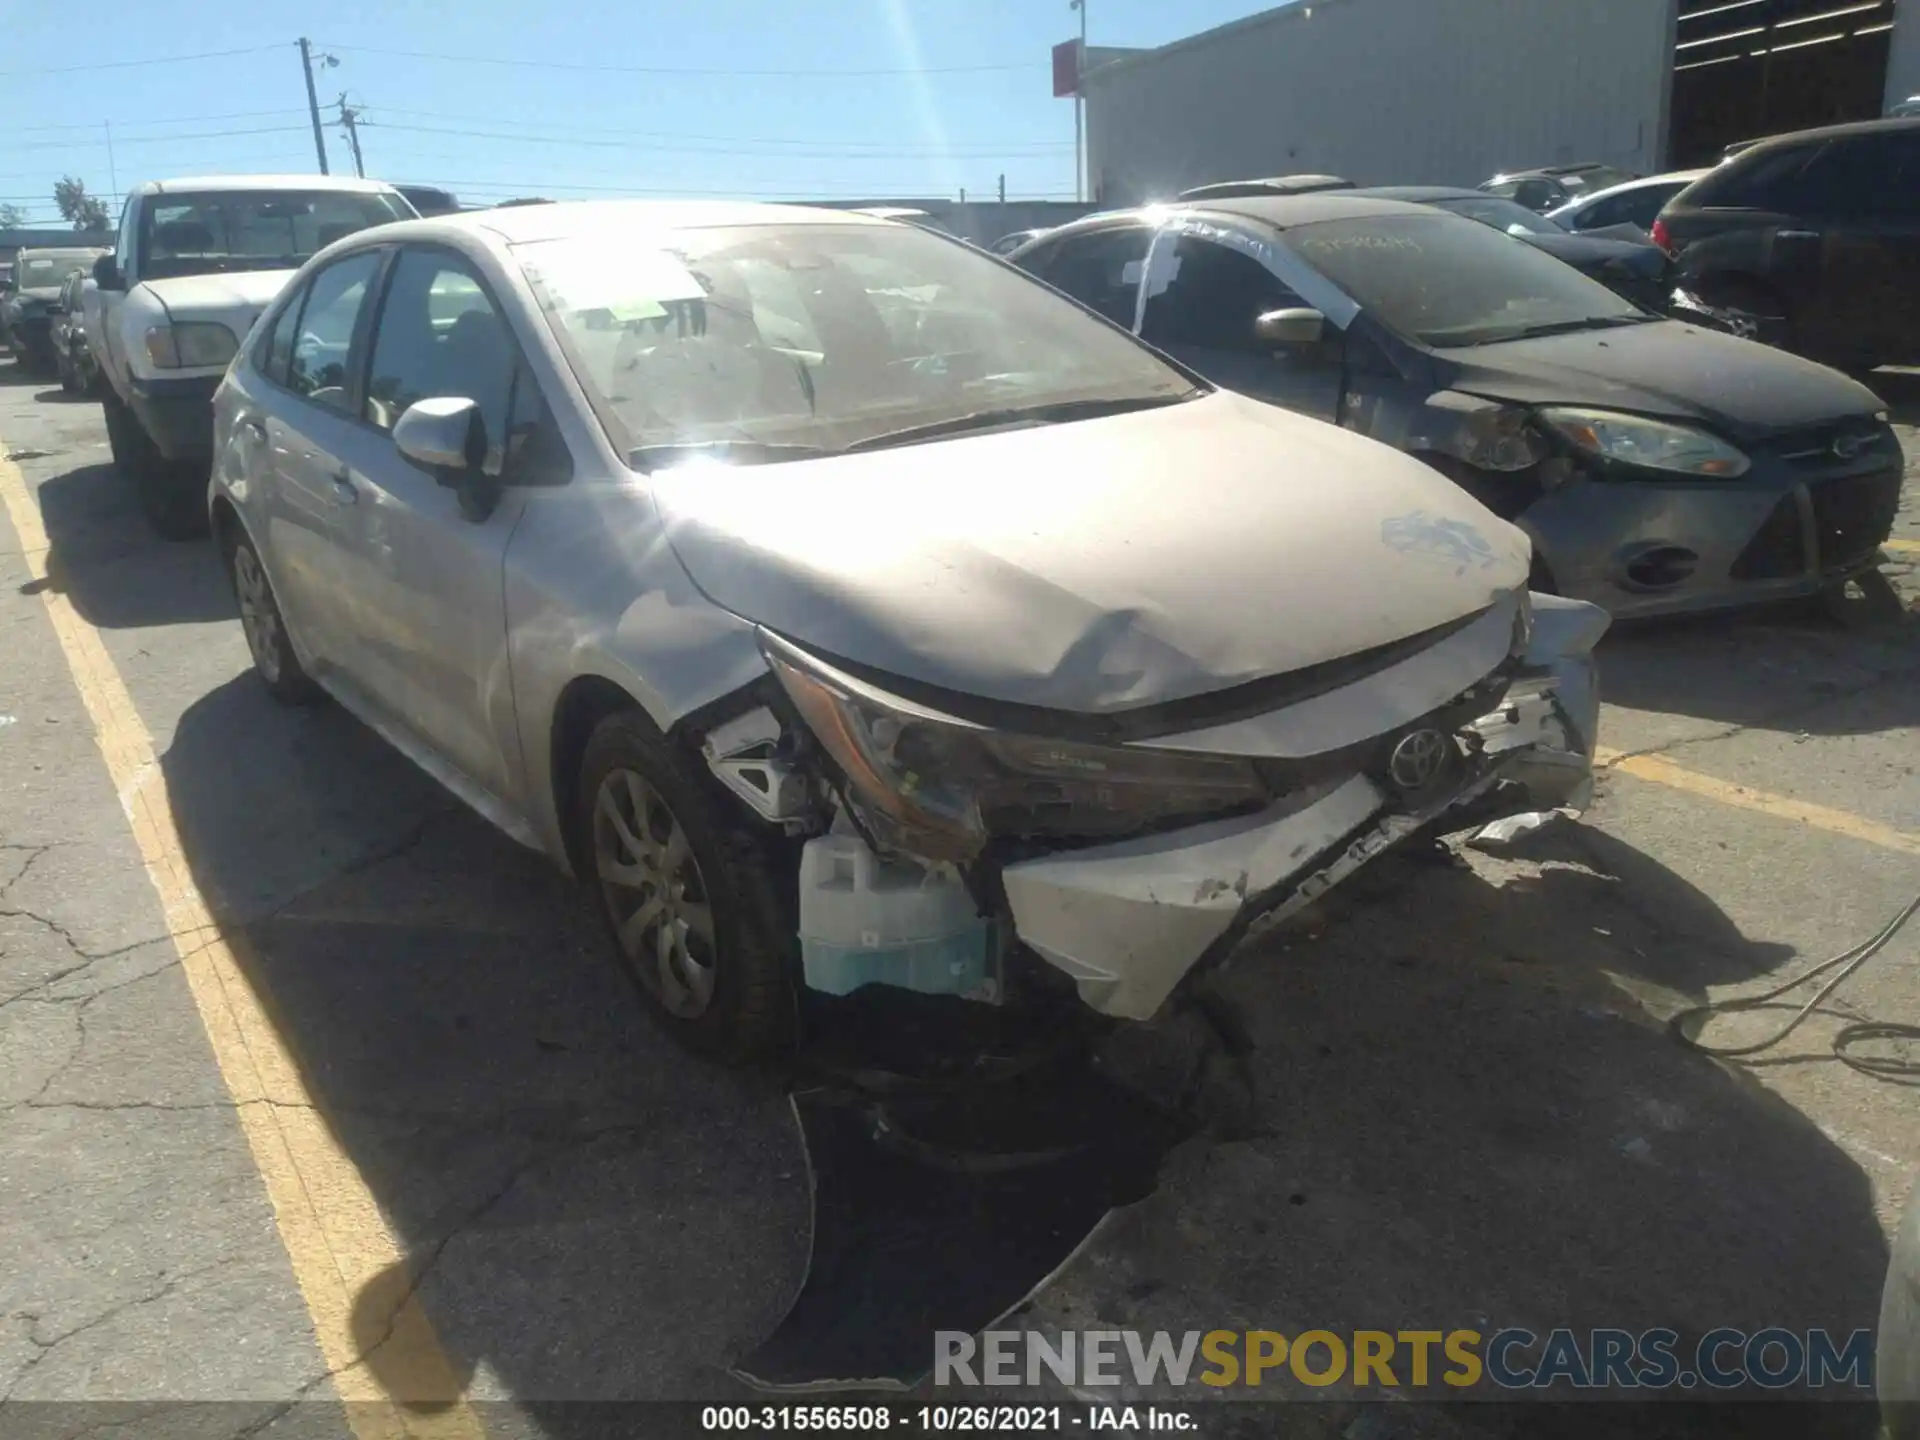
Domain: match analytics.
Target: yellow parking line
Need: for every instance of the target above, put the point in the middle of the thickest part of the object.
(335, 1236)
(1662, 771)
(1910, 547)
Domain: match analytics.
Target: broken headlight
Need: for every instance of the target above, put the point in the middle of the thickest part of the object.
(943, 786)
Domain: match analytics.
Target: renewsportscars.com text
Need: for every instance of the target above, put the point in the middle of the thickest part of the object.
(1511, 1359)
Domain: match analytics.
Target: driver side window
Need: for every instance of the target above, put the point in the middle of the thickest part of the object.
(1212, 299)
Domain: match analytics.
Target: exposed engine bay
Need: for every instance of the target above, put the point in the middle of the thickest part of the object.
(1005, 851)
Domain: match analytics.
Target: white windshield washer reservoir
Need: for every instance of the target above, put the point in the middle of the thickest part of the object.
(865, 920)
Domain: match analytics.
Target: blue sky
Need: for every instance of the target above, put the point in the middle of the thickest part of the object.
(755, 97)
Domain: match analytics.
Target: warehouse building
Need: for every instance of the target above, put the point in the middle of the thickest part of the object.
(1448, 92)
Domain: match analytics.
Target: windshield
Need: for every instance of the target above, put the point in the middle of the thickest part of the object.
(188, 234)
(779, 341)
(47, 271)
(1445, 283)
(1505, 215)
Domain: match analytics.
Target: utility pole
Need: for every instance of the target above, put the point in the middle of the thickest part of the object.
(1003, 189)
(313, 101)
(113, 175)
(349, 121)
(1079, 104)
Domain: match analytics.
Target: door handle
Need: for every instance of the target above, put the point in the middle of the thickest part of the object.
(343, 487)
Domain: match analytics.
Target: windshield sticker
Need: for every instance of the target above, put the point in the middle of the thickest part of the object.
(629, 284)
(1454, 541)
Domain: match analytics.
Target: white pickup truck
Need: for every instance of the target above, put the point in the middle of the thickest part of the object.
(196, 262)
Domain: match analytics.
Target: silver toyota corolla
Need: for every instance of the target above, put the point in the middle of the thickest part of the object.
(846, 608)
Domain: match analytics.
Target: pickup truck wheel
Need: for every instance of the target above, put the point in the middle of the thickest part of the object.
(172, 493)
(260, 620)
(691, 914)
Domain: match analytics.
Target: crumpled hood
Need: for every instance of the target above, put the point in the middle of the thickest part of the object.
(236, 299)
(1667, 368)
(1100, 565)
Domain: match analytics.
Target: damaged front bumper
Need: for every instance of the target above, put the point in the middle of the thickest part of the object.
(1128, 921)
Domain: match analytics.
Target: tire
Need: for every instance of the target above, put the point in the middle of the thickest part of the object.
(713, 966)
(274, 662)
(172, 493)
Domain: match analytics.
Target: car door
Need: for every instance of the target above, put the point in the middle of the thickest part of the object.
(308, 419)
(432, 641)
(1844, 247)
(1102, 269)
(1202, 297)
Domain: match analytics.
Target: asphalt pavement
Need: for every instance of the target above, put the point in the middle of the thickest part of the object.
(1462, 1108)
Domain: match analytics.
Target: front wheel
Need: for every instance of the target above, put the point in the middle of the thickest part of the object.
(172, 493)
(260, 620)
(691, 915)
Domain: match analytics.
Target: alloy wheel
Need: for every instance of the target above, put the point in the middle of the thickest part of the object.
(655, 894)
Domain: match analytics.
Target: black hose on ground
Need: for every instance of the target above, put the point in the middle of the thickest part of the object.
(1846, 1042)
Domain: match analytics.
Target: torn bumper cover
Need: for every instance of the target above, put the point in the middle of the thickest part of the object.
(1128, 921)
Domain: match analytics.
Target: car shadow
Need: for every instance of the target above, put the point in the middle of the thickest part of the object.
(1466, 1119)
(115, 570)
(1785, 668)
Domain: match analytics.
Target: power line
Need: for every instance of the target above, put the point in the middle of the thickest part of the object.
(174, 120)
(157, 139)
(152, 60)
(672, 69)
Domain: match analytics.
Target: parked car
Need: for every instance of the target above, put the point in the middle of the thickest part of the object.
(1007, 244)
(838, 591)
(1906, 108)
(1272, 185)
(78, 374)
(1636, 269)
(907, 215)
(1657, 467)
(35, 301)
(197, 261)
(1637, 203)
(1815, 237)
(430, 199)
(1553, 186)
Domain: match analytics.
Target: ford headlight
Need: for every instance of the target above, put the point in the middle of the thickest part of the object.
(1650, 444)
(193, 345)
(943, 786)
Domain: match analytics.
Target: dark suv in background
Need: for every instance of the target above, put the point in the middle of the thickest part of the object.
(1814, 238)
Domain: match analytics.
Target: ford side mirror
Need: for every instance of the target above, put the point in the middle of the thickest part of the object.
(1290, 329)
(106, 273)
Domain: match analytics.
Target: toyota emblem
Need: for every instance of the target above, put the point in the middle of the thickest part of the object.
(1418, 759)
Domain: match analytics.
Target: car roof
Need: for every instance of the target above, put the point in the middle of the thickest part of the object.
(1277, 212)
(1551, 172)
(1896, 124)
(1670, 177)
(201, 183)
(1422, 194)
(563, 219)
(1301, 184)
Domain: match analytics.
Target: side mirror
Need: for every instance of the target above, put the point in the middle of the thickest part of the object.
(106, 273)
(443, 436)
(1290, 329)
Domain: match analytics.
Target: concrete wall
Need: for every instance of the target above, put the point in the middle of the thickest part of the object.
(1443, 92)
(1903, 61)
